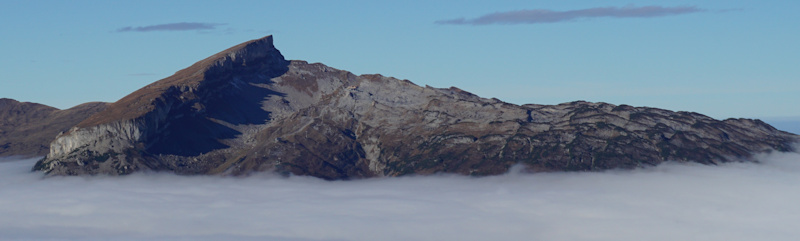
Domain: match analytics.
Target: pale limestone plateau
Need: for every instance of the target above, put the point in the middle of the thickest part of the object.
(247, 109)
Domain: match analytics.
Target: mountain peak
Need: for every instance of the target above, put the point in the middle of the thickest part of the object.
(258, 54)
(250, 51)
(245, 54)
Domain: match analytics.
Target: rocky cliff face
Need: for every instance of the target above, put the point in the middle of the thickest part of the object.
(247, 109)
(26, 129)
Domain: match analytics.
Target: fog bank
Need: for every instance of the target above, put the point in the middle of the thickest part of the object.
(737, 201)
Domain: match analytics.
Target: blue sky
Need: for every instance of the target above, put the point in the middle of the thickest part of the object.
(720, 58)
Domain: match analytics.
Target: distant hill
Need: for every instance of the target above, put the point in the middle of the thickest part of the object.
(26, 129)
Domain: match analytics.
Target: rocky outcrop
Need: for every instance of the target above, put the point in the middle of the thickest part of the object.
(247, 110)
(26, 129)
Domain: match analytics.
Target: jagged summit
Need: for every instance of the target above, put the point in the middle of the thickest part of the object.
(256, 53)
(247, 109)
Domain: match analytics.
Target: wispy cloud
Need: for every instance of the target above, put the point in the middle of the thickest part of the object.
(534, 16)
(182, 26)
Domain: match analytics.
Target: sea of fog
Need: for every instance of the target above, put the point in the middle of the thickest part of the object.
(737, 201)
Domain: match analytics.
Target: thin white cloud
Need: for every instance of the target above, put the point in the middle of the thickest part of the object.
(537, 16)
(738, 201)
(182, 26)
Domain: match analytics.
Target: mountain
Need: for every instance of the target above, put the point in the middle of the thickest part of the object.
(247, 109)
(26, 129)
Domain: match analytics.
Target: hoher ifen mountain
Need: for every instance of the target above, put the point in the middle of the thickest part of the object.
(247, 109)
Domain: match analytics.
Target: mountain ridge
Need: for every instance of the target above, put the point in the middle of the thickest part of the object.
(189, 77)
(247, 109)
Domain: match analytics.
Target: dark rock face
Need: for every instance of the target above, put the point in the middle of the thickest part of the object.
(247, 110)
(26, 129)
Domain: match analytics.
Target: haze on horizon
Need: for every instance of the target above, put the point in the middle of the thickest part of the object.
(719, 58)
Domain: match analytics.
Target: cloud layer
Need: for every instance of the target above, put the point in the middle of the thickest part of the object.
(740, 201)
(535, 16)
(182, 26)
